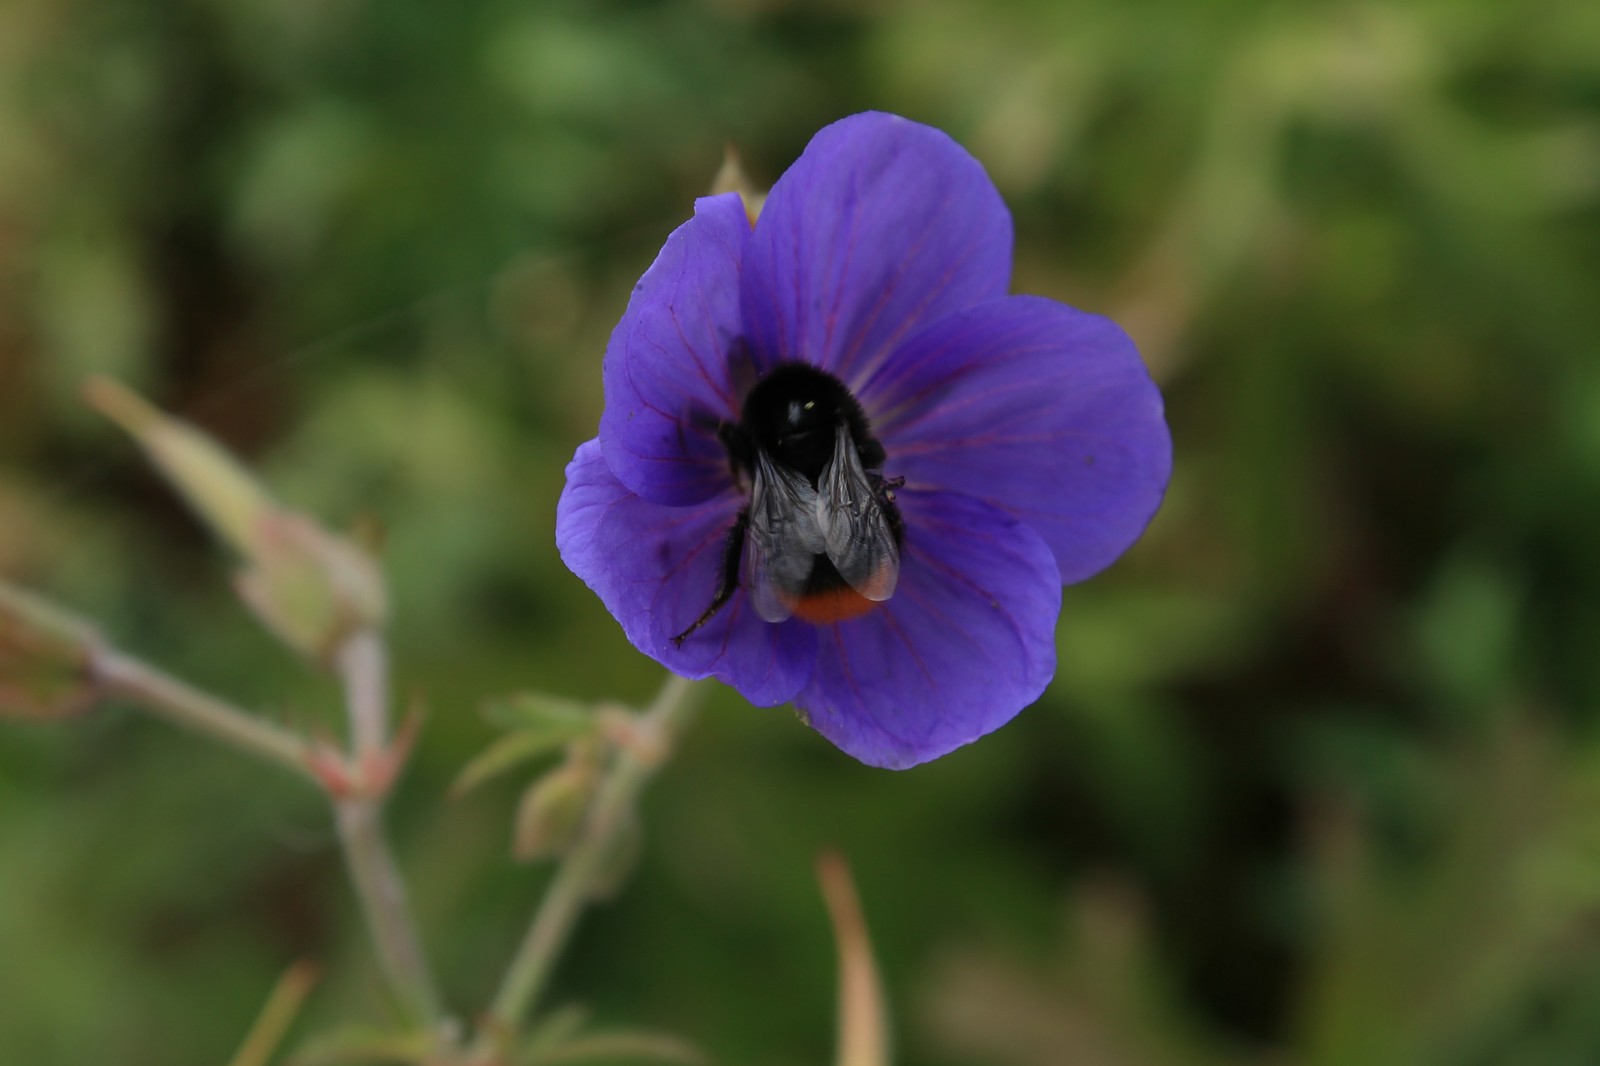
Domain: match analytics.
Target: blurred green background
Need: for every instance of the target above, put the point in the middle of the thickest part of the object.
(1318, 781)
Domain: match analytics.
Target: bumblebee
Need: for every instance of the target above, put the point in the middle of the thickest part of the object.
(820, 535)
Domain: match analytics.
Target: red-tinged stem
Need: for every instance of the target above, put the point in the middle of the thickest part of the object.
(363, 667)
(184, 705)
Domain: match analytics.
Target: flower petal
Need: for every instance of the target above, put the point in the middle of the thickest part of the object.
(967, 641)
(880, 226)
(1042, 410)
(667, 366)
(656, 569)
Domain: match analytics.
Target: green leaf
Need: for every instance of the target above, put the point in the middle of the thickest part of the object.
(515, 748)
(538, 710)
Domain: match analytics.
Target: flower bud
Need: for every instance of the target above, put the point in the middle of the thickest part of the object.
(732, 178)
(45, 660)
(553, 807)
(226, 495)
(311, 588)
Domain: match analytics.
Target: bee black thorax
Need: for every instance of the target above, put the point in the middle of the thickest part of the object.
(792, 414)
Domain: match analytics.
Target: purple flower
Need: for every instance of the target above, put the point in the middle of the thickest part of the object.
(930, 458)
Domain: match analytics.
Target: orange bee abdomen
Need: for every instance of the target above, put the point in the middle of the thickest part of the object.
(832, 605)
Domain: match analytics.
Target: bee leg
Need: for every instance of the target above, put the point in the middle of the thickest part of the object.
(731, 551)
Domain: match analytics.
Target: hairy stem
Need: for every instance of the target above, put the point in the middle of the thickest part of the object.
(363, 662)
(382, 893)
(363, 667)
(357, 784)
(573, 885)
(184, 705)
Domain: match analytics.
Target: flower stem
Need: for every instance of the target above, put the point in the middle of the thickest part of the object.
(359, 817)
(363, 662)
(574, 882)
(363, 667)
(184, 705)
(382, 893)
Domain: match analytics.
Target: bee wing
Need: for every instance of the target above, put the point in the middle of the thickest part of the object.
(856, 531)
(783, 539)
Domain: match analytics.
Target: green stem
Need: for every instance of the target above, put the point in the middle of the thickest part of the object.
(358, 813)
(573, 885)
(382, 893)
(363, 663)
(184, 705)
(363, 667)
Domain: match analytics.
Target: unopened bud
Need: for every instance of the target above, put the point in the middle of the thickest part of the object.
(552, 809)
(45, 660)
(225, 494)
(732, 178)
(311, 588)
